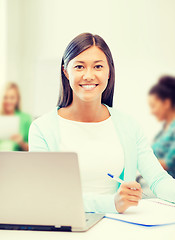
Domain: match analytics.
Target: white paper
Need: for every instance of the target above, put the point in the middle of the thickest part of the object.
(149, 212)
(9, 126)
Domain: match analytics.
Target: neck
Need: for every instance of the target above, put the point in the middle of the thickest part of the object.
(170, 117)
(87, 111)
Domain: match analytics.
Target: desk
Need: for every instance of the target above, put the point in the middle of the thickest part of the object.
(105, 229)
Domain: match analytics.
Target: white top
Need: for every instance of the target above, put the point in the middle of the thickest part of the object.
(99, 152)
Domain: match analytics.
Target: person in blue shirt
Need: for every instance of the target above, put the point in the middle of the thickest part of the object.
(162, 104)
(85, 100)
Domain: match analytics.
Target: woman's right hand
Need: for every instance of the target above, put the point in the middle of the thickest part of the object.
(127, 195)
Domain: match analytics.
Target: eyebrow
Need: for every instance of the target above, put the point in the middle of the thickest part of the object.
(94, 61)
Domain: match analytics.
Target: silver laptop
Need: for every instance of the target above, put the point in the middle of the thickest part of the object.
(42, 191)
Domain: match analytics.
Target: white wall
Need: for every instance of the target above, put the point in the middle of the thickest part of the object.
(143, 46)
(3, 45)
(140, 34)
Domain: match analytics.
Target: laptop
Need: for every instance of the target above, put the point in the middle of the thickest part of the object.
(42, 191)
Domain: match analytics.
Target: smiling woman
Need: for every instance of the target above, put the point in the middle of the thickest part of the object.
(88, 77)
(105, 139)
(97, 67)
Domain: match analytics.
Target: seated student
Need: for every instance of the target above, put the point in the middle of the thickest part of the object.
(105, 139)
(162, 104)
(10, 106)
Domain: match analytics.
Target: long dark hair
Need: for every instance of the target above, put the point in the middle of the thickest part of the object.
(80, 43)
(165, 89)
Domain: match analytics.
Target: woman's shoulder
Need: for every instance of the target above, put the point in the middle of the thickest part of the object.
(122, 116)
(126, 122)
(46, 120)
(24, 116)
(172, 127)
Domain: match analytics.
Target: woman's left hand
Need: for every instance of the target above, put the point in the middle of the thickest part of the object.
(17, 138)
(163, 163)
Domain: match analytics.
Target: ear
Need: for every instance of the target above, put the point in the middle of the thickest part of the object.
(168, 103)
(109, 75)
(65, 72)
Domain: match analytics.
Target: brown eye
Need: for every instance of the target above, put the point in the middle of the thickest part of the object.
(79, 66)
(99, 66)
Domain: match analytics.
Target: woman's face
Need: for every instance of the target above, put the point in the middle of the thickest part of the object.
(10, 100)
(88, 74)
(159, 108)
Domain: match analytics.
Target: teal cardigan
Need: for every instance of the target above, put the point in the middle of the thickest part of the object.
(138, 155)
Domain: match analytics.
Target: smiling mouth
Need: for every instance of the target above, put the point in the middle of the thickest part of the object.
(89, 86)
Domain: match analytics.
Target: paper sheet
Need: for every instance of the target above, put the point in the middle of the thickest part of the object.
(9, 125)
(149, 212)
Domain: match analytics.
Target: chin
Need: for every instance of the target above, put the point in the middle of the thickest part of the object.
(160, 119)
(9, 110)
(86, 99)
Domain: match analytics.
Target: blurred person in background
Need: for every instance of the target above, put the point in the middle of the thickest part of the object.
(11, 106)
(162, 104)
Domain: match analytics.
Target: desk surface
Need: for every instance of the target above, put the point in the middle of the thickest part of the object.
(105, 229)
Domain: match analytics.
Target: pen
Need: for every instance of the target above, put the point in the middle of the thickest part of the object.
(115, 178)
(120, 181)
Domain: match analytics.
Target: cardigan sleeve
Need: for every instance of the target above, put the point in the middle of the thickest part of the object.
(159, 181)
(99, 203)
(36, 139)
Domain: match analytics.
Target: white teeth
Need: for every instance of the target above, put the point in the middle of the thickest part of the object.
(88, 86)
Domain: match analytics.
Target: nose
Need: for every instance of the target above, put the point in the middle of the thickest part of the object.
(88, 75)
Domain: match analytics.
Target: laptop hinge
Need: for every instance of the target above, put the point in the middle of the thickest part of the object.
(64, 228)
(35, 227)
